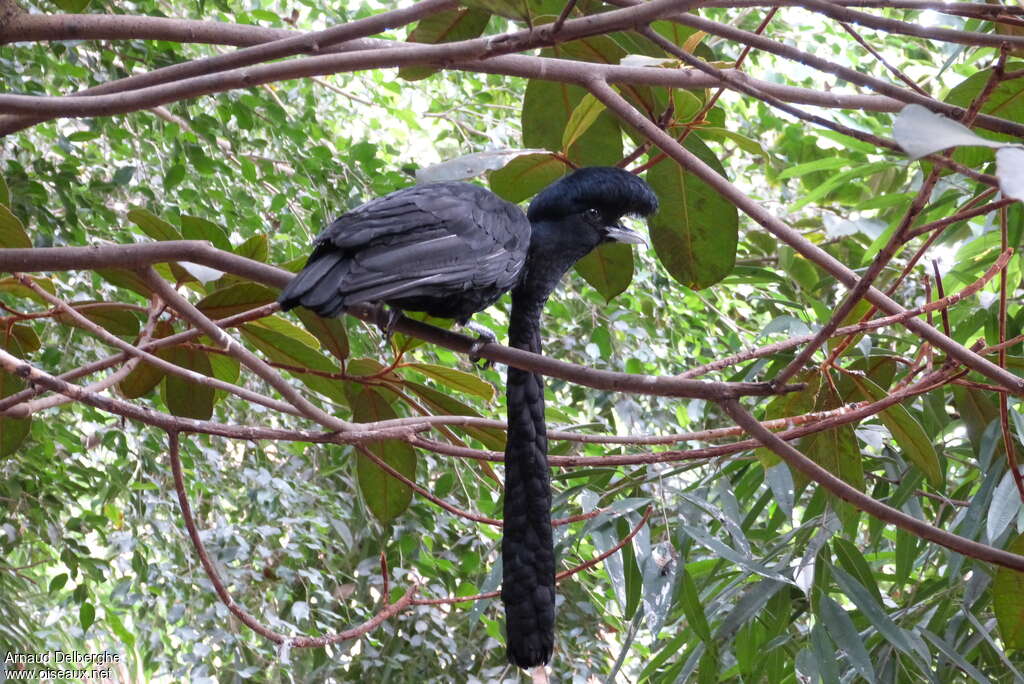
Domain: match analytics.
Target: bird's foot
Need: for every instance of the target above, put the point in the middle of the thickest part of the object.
(386, 318)
(484, 336)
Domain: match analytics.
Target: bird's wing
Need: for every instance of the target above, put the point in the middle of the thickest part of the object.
(429, 239)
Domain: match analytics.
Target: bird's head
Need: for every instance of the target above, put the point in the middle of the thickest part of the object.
(585, 208)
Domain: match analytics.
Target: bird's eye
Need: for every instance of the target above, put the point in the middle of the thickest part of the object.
(593, 216)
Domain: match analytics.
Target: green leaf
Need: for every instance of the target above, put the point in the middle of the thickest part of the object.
(693, 609)
(13, 431)
(183, 397)
(256, 248)
(455, 379)
(580, 121)
(234, 299)
(526, 175)
(86, 616)
(114, 318)
(293, 346)
(385, 496)
(905, 429)
(129, 280)
(1008, 600)
(13, 287)
(609, 269)
(26, 337)
(449, 26)
(123, 175)
(844, 632)
(196, 228)
(5, 194)
(443, 404)
(142, 379)
(634, 578)
(695, 231)
(12, 232)
(547, 107)
(153, 226)
(329, 331)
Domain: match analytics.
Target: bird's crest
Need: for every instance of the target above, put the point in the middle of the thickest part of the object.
(609, 189)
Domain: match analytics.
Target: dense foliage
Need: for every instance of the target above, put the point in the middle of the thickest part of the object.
(742, 570)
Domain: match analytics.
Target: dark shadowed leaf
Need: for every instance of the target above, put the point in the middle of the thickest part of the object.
(235, 299)
(152, 225)
(385, 496)
(441, 403)
(1008, 600)
(114, 318)
(12, 430)
(183, 397)
(329, 331)
(444, 27)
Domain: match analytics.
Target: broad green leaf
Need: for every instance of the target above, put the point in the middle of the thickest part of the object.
(283, 327)
(695, 230)
(124, 278)
(256, 248)
(689, 599)
(13, 431)
(114, 318)
(26, 336)
(634, 578)
(12, 232)
(852, 560)
(872, 610)
(294, 347)
(905, 429)
(455, 379)
(196, 228)
(547, 107)
(72, 7)
(609, 268)
(234, 299)
(581, 119)
(443, 404)
(977, 411)
(1008, 600)
(152, 225)
(525, 176)
(142, 379)
(5, 194)
(448, 26)
(13, 287)
(329, 331)
(386, 496)
(183, 397)
(86, 614)
(825, 164)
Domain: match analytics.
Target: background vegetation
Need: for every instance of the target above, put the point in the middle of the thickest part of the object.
(726, 563)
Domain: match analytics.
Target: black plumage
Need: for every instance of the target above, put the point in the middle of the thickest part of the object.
(568, 219)
(452, 249)
(449, 249)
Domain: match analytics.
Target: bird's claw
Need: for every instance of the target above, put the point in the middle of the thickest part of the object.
(386, 320)
(484, 336)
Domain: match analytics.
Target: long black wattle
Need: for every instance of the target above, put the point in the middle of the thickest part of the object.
(528, 554)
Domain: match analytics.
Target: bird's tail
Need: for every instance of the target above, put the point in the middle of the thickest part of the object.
(527, 549)
(318, 286)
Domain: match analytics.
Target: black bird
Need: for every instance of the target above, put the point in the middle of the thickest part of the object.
(568, 219)
(452, 249)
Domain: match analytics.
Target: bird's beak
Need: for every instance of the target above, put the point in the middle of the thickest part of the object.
(619, 233)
